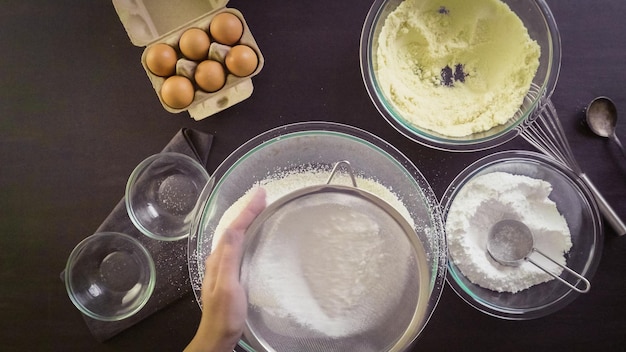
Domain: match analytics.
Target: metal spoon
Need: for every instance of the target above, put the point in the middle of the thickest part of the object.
(510, 242)
(601, 118)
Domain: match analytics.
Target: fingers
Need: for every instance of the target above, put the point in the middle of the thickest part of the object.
(224, 263)
(232, 241)
(256, 204)
(211, 265)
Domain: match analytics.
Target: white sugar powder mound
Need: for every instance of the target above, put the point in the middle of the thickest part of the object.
(490, 198)
(289, 280)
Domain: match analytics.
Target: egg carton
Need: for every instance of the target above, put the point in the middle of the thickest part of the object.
(149, 22)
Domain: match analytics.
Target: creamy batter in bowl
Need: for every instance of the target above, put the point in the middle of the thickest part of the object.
(458, 75)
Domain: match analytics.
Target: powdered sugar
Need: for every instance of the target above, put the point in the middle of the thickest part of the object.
(281, 184)
(351, 287)
(490, 198)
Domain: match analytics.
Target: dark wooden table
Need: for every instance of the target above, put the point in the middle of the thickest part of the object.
(77, 113)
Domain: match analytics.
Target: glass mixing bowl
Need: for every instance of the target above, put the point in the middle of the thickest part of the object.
(574, 202)
(109, 276)
(161, 193)
(539, 21)
(319, 145)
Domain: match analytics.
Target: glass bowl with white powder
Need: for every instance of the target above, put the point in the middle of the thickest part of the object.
(296, 156)
(556, 206)
(459, 75)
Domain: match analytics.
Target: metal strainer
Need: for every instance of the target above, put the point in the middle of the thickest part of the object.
(334, 268)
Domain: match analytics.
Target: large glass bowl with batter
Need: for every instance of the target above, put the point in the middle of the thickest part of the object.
(573, 201)
(538, 20)
(320, 145)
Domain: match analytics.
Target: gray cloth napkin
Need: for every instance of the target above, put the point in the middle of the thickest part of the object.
(170, 258)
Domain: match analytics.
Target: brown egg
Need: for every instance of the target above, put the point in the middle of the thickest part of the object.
(177, 92)
(161, 59)
(241, 60)
(226, 28)
(194, 44)
(210, 75)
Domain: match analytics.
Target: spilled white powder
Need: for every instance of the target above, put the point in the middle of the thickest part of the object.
(490, 198)
(335, 278)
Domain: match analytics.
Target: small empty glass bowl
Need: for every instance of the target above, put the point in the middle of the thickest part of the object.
(109, 276)
(573, 201)
(161, 194)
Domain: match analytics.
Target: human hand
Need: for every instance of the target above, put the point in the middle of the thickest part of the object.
(224, 303)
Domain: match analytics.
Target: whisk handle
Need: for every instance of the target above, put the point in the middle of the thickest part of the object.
(605, 208)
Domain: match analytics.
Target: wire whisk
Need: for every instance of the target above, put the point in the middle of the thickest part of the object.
(544, 131)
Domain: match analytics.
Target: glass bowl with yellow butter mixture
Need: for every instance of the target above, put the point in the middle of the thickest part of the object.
(459, 75)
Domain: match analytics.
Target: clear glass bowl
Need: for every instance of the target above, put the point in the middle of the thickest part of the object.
(574, 202)
(319, 145)
(161, 194)
(109, 276)
(537, 18)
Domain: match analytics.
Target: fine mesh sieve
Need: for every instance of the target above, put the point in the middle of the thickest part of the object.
(334, 268)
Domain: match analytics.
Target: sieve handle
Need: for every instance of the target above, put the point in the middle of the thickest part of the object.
(585, 282)
(345, 163)
(605, 208)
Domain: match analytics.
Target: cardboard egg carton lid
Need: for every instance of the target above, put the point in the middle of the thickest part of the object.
(146, 21)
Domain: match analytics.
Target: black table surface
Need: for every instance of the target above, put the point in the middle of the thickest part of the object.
(77, 114)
